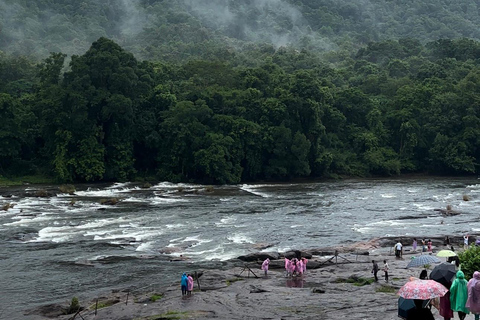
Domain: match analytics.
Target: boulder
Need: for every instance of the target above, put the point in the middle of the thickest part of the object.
(48, 311)
(260, 256)
(262, 246)
(298, 254)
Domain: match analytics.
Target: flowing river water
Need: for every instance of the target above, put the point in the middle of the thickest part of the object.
(54, 248)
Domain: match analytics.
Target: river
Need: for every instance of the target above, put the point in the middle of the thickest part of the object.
(54, 248)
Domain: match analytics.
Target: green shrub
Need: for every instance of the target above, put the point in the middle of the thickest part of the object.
(470, 261)
(356, 281)
(146, 185)
(74, 306)
(386, 289)
(156, 297)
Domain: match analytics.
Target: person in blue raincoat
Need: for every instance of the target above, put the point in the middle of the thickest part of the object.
(184, 284)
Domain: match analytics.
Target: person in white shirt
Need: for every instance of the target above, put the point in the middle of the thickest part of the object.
(398, 250)
(465, 242)
(385, 269)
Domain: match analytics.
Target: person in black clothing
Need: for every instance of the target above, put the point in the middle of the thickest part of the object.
(423, 275)
(375, 270)
(419, 313)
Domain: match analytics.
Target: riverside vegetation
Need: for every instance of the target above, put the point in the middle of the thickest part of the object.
(244, 110)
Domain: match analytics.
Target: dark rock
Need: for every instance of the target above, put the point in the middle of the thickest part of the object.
(262, 246)
(48, 311)
(311, 264)
(257, 290)
(317, 290)
(276, 264)
(110, 202)
(42, 194)
(447, 212)
(260, 256)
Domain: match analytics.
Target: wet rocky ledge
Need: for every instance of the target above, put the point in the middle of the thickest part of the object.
(338, 284)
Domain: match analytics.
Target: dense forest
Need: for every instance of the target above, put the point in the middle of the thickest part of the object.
(230, 91)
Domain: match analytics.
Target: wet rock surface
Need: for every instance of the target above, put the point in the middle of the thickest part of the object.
(334, 287)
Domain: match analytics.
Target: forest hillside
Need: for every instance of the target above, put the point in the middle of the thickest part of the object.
(230, 91)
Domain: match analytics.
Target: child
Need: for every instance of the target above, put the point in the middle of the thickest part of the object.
(385, 269)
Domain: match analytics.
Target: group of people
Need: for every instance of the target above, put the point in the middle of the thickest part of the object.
(463, 297)
(426, 245)
(187, 284)
(295, 267)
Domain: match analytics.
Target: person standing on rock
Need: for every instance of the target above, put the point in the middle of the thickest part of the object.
(465, 242)
(385, 269)
(287, 267)
(398, 249)
(265, 265)
(304, 260)
(429, 245)
(473, 300)
(300, 267)
(189, 284)
(419, 312)
(375, 270)
(459, 295)
(184, 284)
(414, 245)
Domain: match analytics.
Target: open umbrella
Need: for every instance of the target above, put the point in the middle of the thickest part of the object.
(404, 305)
(422, 260)
(422, 290)
(444, 274)
(446, 253)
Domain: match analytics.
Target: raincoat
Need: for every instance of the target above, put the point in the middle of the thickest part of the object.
(265, 264)
(184, 282)
(445, 308)
(304, 260)
(459, 293)
(287, 264)
(190, 283)
(473, 300)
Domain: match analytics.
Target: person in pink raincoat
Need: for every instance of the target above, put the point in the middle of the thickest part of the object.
(189, 284)
(299, 267)
(292, 266)
(304, 260)
(265, 265)
(473, 300)
(287, 266)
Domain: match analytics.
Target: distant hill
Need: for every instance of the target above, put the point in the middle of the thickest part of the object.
(181, 29)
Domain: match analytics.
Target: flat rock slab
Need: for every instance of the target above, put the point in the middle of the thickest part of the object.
(319, 294)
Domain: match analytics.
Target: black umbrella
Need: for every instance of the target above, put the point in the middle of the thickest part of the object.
(444, 274)
(404, 305)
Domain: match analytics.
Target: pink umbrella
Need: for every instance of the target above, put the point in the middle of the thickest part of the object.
(422, 290)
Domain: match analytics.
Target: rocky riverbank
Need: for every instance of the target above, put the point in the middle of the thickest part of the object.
(334, 287)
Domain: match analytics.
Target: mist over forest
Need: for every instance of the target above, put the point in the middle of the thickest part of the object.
(152, 29)
(226, 91)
